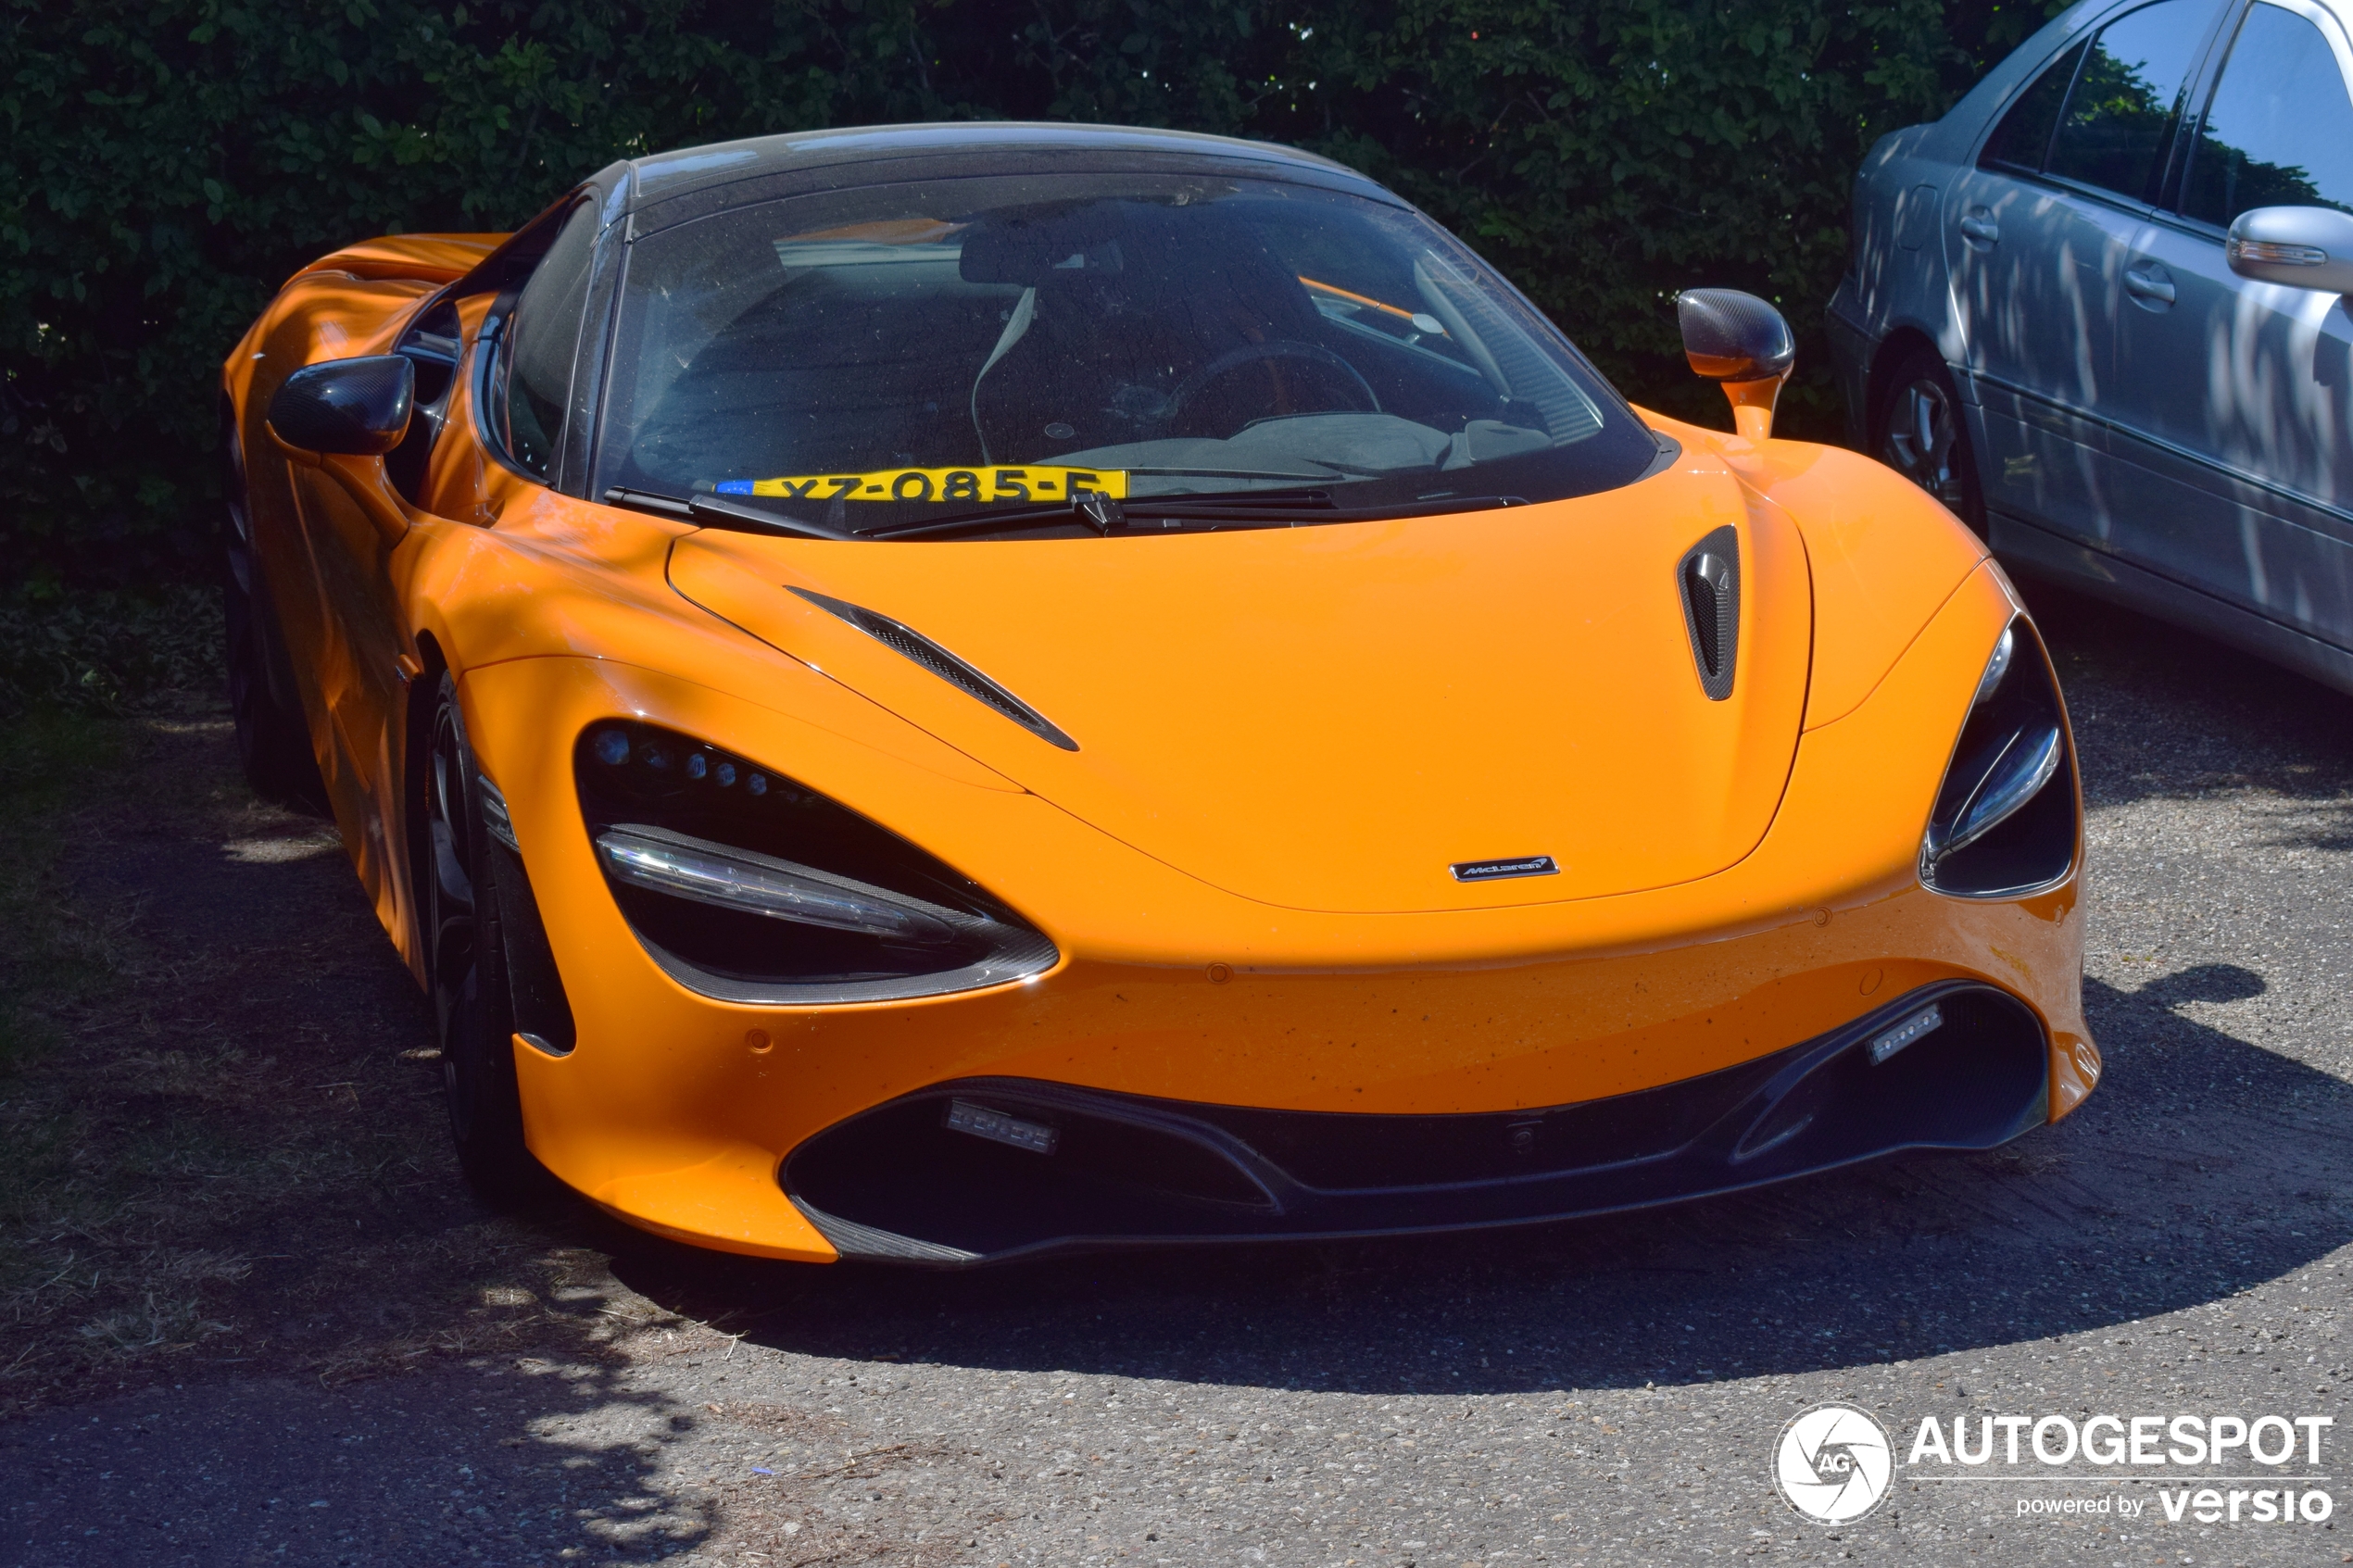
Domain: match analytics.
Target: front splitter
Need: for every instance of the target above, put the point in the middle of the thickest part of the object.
(1958, 1065)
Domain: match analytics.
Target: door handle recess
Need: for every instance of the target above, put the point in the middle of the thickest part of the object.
(1985, 230)
(2151, 285)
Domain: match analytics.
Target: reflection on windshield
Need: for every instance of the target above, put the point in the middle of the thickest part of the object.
(1014, 339)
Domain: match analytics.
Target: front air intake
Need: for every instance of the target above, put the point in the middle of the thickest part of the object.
(911, 644)
(980, 1169)
(1709, 579)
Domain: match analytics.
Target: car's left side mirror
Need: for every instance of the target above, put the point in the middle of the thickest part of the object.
(1737, 340)
(2304, 247)
(359, 408)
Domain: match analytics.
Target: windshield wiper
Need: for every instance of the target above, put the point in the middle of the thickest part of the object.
(1263, 509)
(1231, 473)
(712, 511)
(1254, 510)
(1103, 513)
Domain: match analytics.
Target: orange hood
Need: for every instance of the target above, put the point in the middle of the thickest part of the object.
(1328, 718)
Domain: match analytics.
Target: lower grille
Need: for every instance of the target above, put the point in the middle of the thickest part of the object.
(901, 1182)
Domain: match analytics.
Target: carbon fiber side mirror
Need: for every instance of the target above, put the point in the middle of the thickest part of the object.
(1740, 341)
(356, 406)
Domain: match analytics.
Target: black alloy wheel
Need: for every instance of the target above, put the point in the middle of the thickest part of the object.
(1918, 430)
(472, 1010)
(273, 742)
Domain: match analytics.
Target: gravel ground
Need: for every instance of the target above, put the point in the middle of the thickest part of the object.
(1606, 1392)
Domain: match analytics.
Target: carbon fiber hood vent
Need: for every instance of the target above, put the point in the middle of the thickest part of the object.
(1709, 579)
(913, 645)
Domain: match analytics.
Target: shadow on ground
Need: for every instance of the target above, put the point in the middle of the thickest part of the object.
(2112, 1216)
(2160, 711)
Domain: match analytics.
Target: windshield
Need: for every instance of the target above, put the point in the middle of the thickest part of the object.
(876, 357)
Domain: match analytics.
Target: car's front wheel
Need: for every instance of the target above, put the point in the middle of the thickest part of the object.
(472, 1009)
(1917, 429)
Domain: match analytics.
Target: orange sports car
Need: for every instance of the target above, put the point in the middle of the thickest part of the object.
(942, 692)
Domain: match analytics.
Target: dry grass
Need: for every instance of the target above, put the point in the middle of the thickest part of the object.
(54, 962)
(221, 1138)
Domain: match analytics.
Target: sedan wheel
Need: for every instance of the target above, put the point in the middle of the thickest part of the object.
(1922, 437)
(1920, 440)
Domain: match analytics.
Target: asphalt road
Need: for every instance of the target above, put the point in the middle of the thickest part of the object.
(1606, 1392)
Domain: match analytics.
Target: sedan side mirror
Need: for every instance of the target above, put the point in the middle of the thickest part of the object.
(355, 406)
(1742, 341)
(2304, 247)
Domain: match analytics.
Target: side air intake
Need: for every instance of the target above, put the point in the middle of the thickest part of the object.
(1708, 578)
(913, 645)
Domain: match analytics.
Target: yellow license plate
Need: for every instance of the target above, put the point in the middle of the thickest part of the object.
(973, 486)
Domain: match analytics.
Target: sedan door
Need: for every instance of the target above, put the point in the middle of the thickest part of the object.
(2037, 235)
(2235, 397)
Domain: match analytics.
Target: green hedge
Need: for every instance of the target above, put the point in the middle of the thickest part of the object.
(170, 162)
(101, 650)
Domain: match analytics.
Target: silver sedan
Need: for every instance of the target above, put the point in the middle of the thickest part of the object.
(2100, 310)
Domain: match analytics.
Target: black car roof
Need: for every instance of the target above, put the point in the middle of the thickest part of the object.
(671, 187)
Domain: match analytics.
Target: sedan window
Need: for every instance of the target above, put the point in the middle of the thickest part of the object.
(2120, 119)
(2280, 130)
(2024, 134)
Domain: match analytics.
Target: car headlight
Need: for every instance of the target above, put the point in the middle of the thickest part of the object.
(2004, 819)
(748, 886)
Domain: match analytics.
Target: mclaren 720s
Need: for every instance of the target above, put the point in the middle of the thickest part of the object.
(942, 694)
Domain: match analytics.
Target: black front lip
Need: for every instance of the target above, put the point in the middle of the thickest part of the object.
(893, 1184)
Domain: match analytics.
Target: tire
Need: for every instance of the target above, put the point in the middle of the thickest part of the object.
(472, 1010)
(273, 742)
(1918, 431)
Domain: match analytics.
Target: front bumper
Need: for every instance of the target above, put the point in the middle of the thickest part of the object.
(899, 1183)
(678, 1111)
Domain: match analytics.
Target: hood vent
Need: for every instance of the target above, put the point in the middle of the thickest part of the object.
(913, 645)
(1709, 579)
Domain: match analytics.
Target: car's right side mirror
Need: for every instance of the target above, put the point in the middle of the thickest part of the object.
(359, 408)
(1742, 344)
(2304, 247)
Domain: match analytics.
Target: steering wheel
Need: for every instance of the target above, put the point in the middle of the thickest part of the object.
(1274, 348)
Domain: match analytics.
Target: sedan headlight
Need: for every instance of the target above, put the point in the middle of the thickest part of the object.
(2004, 819)
(745, 885)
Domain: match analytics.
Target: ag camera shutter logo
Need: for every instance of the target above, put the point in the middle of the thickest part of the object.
(1833, 1462)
